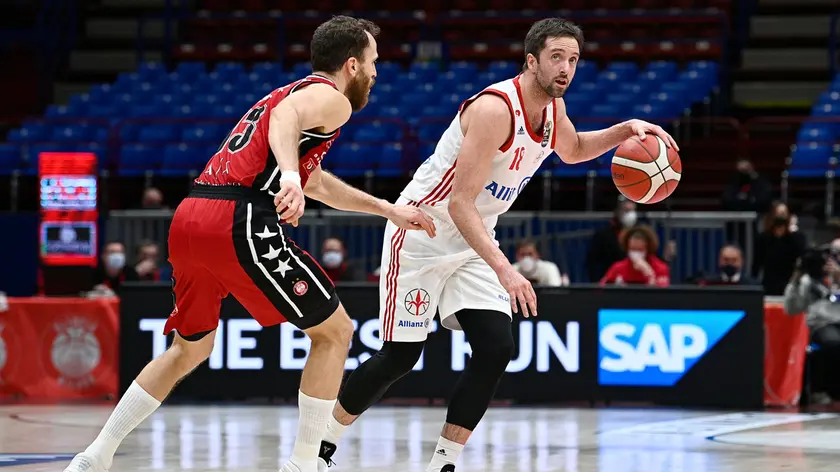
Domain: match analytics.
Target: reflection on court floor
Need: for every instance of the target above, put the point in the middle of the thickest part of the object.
(33, 438)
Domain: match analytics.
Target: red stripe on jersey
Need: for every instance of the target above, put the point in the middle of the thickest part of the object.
(507, 144)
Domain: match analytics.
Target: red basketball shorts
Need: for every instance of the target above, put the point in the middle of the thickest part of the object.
(222, 242)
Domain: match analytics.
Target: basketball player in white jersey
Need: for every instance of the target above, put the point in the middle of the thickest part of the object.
(488, 154)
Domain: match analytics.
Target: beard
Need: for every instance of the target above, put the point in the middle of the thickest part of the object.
(551, 87)
(358, 91)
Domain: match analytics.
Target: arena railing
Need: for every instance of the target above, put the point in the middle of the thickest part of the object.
(563, 237)
(714, 141)
(431, 28)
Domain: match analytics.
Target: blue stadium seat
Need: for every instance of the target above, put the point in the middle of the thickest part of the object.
(301, 69)
(390, 160)
(623, 67)
(666, 69)
(486, 79)
(65, 111)
(578, 104)
(387, 72)
(829, 96)
(651, 113)
(151, 71)
(504, 69)
(267, 69)
(137, 159)
(225, 111)
(229, 71)
(817, 132)
(415, 100)
(431, 131)
(203, 133)
(10, 158)
(379, 131)
(183, 159)
(810, 159)
(32, 132)
(190, 70)
(71, 133)
(352, 160)
(827, 109)
(422, 72)
(623, 100)
(95, 148)
(159, 133)
(436, 111)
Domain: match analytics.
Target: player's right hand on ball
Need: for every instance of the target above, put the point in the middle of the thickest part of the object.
(520, 290)
(289, 202)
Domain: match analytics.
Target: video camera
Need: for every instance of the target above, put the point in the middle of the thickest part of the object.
(813, 261)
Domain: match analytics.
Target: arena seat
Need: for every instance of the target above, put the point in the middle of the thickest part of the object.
(159, 117)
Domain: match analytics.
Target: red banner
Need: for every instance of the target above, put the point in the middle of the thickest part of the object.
(59, 348)
(784, 355)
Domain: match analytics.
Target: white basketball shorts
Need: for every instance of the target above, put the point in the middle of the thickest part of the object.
(420, 276)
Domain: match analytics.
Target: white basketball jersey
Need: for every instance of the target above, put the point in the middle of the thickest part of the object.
(513, 165)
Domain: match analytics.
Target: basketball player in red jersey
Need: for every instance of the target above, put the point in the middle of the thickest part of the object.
(228, 237)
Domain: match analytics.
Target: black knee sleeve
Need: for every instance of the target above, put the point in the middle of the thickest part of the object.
(371, 380)
(491, 338)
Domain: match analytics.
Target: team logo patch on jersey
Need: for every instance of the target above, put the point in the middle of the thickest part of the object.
(301, 287)
(546, 133)
(417, 302)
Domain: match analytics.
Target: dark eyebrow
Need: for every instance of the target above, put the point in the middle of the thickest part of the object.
(564, 50)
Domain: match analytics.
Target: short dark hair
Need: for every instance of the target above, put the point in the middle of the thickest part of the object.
(339, 39)
(550, 28)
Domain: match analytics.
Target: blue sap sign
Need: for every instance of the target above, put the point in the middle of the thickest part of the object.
(656, 347)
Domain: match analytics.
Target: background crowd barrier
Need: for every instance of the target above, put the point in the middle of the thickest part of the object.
(605, 344)
(562, 237)
(683, 346)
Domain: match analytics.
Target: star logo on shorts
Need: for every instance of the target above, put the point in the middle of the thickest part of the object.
(417, 302)
(283, 267)
(266, 234)
(272, 253)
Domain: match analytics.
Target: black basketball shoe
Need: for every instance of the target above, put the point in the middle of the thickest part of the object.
(326, 452)
(448, 468)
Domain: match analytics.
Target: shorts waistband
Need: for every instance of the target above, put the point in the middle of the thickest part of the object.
(223, 192)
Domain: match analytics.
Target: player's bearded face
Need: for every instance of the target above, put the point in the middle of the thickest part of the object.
(554, 84)
(358, 90)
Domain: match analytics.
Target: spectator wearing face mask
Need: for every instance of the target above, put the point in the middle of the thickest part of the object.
(152, 199)
(641, 266)
(748, 191)
(605, 247)
(730, 269)
(334, 261)
(776, 250)
(538, 271)
(112, 270)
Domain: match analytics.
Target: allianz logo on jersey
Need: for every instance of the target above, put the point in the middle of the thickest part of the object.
(505, 193)
(657, 347)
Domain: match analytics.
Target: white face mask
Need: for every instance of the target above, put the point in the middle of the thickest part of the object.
(636, 255)
(332, 259)
(115, 260)
(628, 219)
(528, 264)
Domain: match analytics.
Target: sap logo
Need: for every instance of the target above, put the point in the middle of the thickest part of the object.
(657, 347)
(505, 193)
(9, 460)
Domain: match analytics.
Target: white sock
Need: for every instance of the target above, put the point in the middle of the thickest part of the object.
(446, 452)
(134, 407)
(312, 425)
(335, 431)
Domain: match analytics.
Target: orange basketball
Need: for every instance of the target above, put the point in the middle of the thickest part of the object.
(646, 171)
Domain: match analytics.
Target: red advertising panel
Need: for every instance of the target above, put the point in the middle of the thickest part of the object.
(69, 190)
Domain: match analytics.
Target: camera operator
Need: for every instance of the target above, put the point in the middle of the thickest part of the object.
(815, 289)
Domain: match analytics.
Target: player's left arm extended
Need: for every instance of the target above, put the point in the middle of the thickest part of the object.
(331, 190)
(574, 147)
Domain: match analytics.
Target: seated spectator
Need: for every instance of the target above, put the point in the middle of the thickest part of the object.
(334, 261)
(605, 246)
(641, 266)
(730, 269)
(112, 270)
(532, 267)
(148, 265)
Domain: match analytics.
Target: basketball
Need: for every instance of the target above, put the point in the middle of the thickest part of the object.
(646, 171)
